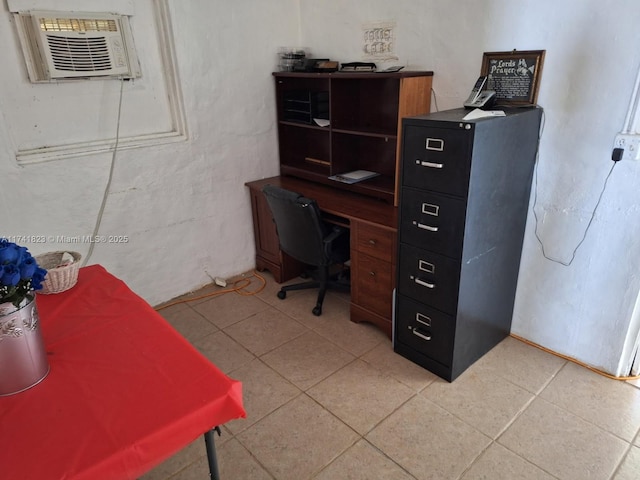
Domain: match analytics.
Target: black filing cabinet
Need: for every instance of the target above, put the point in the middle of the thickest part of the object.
(464, 198)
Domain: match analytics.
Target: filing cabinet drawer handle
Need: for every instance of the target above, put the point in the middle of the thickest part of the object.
(424, 284)
(429, 164)
(436, 144)
(417, 333)
(372, 242)
(423, 319)
(427, 227)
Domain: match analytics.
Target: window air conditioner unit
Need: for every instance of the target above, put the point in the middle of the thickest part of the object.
(74, 45)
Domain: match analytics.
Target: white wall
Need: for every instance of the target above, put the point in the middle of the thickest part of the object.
(183, 206)
(186, 210)
(583, 310)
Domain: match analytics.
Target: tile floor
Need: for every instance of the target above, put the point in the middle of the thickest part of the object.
(327, 399)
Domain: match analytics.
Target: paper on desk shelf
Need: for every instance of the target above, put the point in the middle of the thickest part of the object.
(321, 122)
(354, 177)
(478, 113)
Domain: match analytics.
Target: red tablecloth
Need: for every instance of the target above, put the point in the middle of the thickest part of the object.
(124, 393)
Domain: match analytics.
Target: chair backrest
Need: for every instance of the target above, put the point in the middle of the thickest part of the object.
(301, 230)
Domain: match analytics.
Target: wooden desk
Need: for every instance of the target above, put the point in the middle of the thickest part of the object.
(124, 393)
(373, 225)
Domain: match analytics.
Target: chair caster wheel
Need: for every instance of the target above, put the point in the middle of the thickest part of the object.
(282, 295)
(317, 311)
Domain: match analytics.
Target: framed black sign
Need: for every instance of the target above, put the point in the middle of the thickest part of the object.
(515, 76)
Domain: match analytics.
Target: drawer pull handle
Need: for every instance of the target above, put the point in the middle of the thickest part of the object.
(373, 274)
(430, 164)
(421, 335)
(427, 227)
(424, 284)
(423, 319)
(426, 266)
(430, 209)
(436, 144)
(372, 242)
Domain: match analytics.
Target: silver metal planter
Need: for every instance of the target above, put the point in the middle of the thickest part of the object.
(23, 358)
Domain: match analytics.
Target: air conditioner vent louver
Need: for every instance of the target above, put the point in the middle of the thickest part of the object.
(73, 45)
(79, 54)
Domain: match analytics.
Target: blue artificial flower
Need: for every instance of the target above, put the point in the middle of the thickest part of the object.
(37, 278)
(20, 274)
(10, 275)
(23, 254)
(9, 253)
(27, 267)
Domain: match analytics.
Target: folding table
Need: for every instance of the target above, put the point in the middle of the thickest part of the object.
(125, 391)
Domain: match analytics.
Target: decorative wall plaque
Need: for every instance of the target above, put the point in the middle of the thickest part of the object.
(515, 76)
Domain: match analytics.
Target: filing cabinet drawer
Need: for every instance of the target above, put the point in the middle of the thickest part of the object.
(425, 329)
(433, 222)
(375, 241)
(428, 278)
(437, 159)
(375, 284)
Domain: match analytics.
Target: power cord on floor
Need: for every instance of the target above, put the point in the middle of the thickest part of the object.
(239, 287)
(573, 360)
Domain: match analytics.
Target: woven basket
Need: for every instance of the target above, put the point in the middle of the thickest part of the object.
(60, 277)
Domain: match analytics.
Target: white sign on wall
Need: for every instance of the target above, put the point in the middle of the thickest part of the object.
(379, 41)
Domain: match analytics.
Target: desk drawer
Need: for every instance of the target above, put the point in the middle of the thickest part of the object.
(433, 222)
(372, 284)
(436, 159)
(425, 329)
(375, 241)
(429, 278)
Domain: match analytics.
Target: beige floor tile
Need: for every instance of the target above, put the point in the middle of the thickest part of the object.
(223, 351)
(630, 467)
(635, 382)
(234, 463)
(269, 292)
(265, 331)
(429, 442)
(385, 359)
(498, 463)
(185, 457)
(485, 401)
(190, 324)
(363, 462)
(563, 444)
(360, 395)
(610, 404)
(263, 391)
(297, 440)
(522, 364)
(300, 303)
(357, 338)
(307, 359)
(229, 308)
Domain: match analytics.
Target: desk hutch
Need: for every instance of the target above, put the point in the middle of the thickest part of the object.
(364, 113)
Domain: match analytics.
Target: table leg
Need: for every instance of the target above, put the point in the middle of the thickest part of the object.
(211, 453)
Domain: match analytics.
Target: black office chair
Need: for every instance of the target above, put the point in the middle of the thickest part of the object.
(305, 236)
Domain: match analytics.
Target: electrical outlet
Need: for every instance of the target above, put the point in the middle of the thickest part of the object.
(630, 143)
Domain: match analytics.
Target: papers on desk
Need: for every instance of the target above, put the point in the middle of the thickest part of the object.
(354, 177)
(478, 113)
